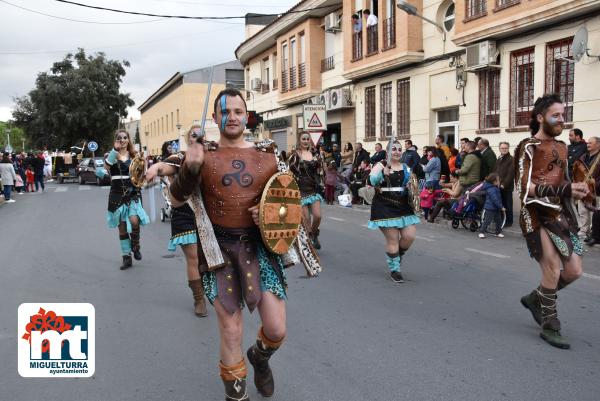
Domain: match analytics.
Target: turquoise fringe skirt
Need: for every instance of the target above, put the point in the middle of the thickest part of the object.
(398, 222)
(134, 208)
(309, 200)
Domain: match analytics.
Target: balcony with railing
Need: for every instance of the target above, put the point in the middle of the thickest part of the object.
(264, 87)
(357, 46)
(284, 81)
(396, 40)
(302, 75)
(327, 64)
(478, 20)
(293, 78)
(372, 40)
(389, 33)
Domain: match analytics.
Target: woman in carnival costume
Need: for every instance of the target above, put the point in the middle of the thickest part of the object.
(307, 166)
(183, 223)
(125, 209)
(391, 211)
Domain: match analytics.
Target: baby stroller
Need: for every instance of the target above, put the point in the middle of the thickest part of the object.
(166, 210)
(467, 210)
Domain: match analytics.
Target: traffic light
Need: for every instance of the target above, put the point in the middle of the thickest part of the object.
(254, 120)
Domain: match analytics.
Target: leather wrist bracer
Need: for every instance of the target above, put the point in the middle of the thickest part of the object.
(560, 191)
(185, 183)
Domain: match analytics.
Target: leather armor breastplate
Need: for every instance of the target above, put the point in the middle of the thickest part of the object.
(233, 180)
(549, 163)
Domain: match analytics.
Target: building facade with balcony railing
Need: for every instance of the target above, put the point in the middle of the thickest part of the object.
(309, 62)
(413, 83)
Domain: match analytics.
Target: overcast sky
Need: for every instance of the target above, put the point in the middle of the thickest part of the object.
(156, 48)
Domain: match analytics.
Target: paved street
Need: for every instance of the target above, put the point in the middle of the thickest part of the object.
(454, 331)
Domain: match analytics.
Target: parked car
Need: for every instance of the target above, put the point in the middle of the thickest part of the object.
(65, 168)
(86, 171)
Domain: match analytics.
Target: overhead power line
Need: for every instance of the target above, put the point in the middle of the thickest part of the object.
(188, 16)
(102, 48)
(81, 21)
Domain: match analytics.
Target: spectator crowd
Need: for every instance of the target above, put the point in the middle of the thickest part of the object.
(24, 173)
(472, 181)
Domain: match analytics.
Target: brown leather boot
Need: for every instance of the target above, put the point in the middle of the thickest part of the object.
(198, 293)
(234, 379)
(259, 355)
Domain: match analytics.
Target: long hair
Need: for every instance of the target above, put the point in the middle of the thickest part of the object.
(311, 147)
(130, 147)
(542, 104)
(164, 150)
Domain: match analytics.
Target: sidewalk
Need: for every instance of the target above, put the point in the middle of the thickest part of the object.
(513, 231)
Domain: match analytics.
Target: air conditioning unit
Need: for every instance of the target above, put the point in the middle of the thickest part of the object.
(340, 99)
(313, 100)
(332, 23)
(255, 84)
(324, 99)
(481, 55)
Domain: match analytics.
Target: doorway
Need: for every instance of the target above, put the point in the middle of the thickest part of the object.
(331, 136)
(447, 125)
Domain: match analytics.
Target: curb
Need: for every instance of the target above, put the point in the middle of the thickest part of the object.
(440, 221)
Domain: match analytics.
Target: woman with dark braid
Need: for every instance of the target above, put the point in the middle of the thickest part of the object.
(125, 209)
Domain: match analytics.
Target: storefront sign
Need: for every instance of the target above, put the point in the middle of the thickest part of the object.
(277, 123)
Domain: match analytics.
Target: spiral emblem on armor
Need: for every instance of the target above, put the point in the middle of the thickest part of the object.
(243, 179)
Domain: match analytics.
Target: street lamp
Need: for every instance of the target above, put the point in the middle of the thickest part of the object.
(412, 10)
(8, 148)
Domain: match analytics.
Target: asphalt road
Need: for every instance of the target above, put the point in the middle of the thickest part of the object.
(454, 331)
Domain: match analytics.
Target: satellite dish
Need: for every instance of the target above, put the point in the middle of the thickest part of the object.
(580, 43)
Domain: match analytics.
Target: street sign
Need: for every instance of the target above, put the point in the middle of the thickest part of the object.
(315, 136)
(315, 117)
(175, 146)
(92, 146)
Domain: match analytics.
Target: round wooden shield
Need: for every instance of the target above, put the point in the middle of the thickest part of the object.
(280, 212)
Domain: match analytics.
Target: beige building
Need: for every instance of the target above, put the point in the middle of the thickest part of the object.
(132, 127)
(475, 72)
(179, 103)
(296, 59)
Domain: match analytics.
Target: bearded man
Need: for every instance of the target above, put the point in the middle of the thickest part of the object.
(547, 219)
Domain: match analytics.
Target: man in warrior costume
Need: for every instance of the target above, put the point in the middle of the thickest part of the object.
(307, 166)
(391, 211)
(183, 224)
(547, 216)
(231, 176)
(125, 209)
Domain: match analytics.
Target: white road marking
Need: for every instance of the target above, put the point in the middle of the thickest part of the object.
(364, 225)
(61, 189)
(85, 188)
(496, 255)
(425, 238)
(591, 276)
(335, 218)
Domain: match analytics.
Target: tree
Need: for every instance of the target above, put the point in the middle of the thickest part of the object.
(137, 135)
(16, 136)
(78, 100)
